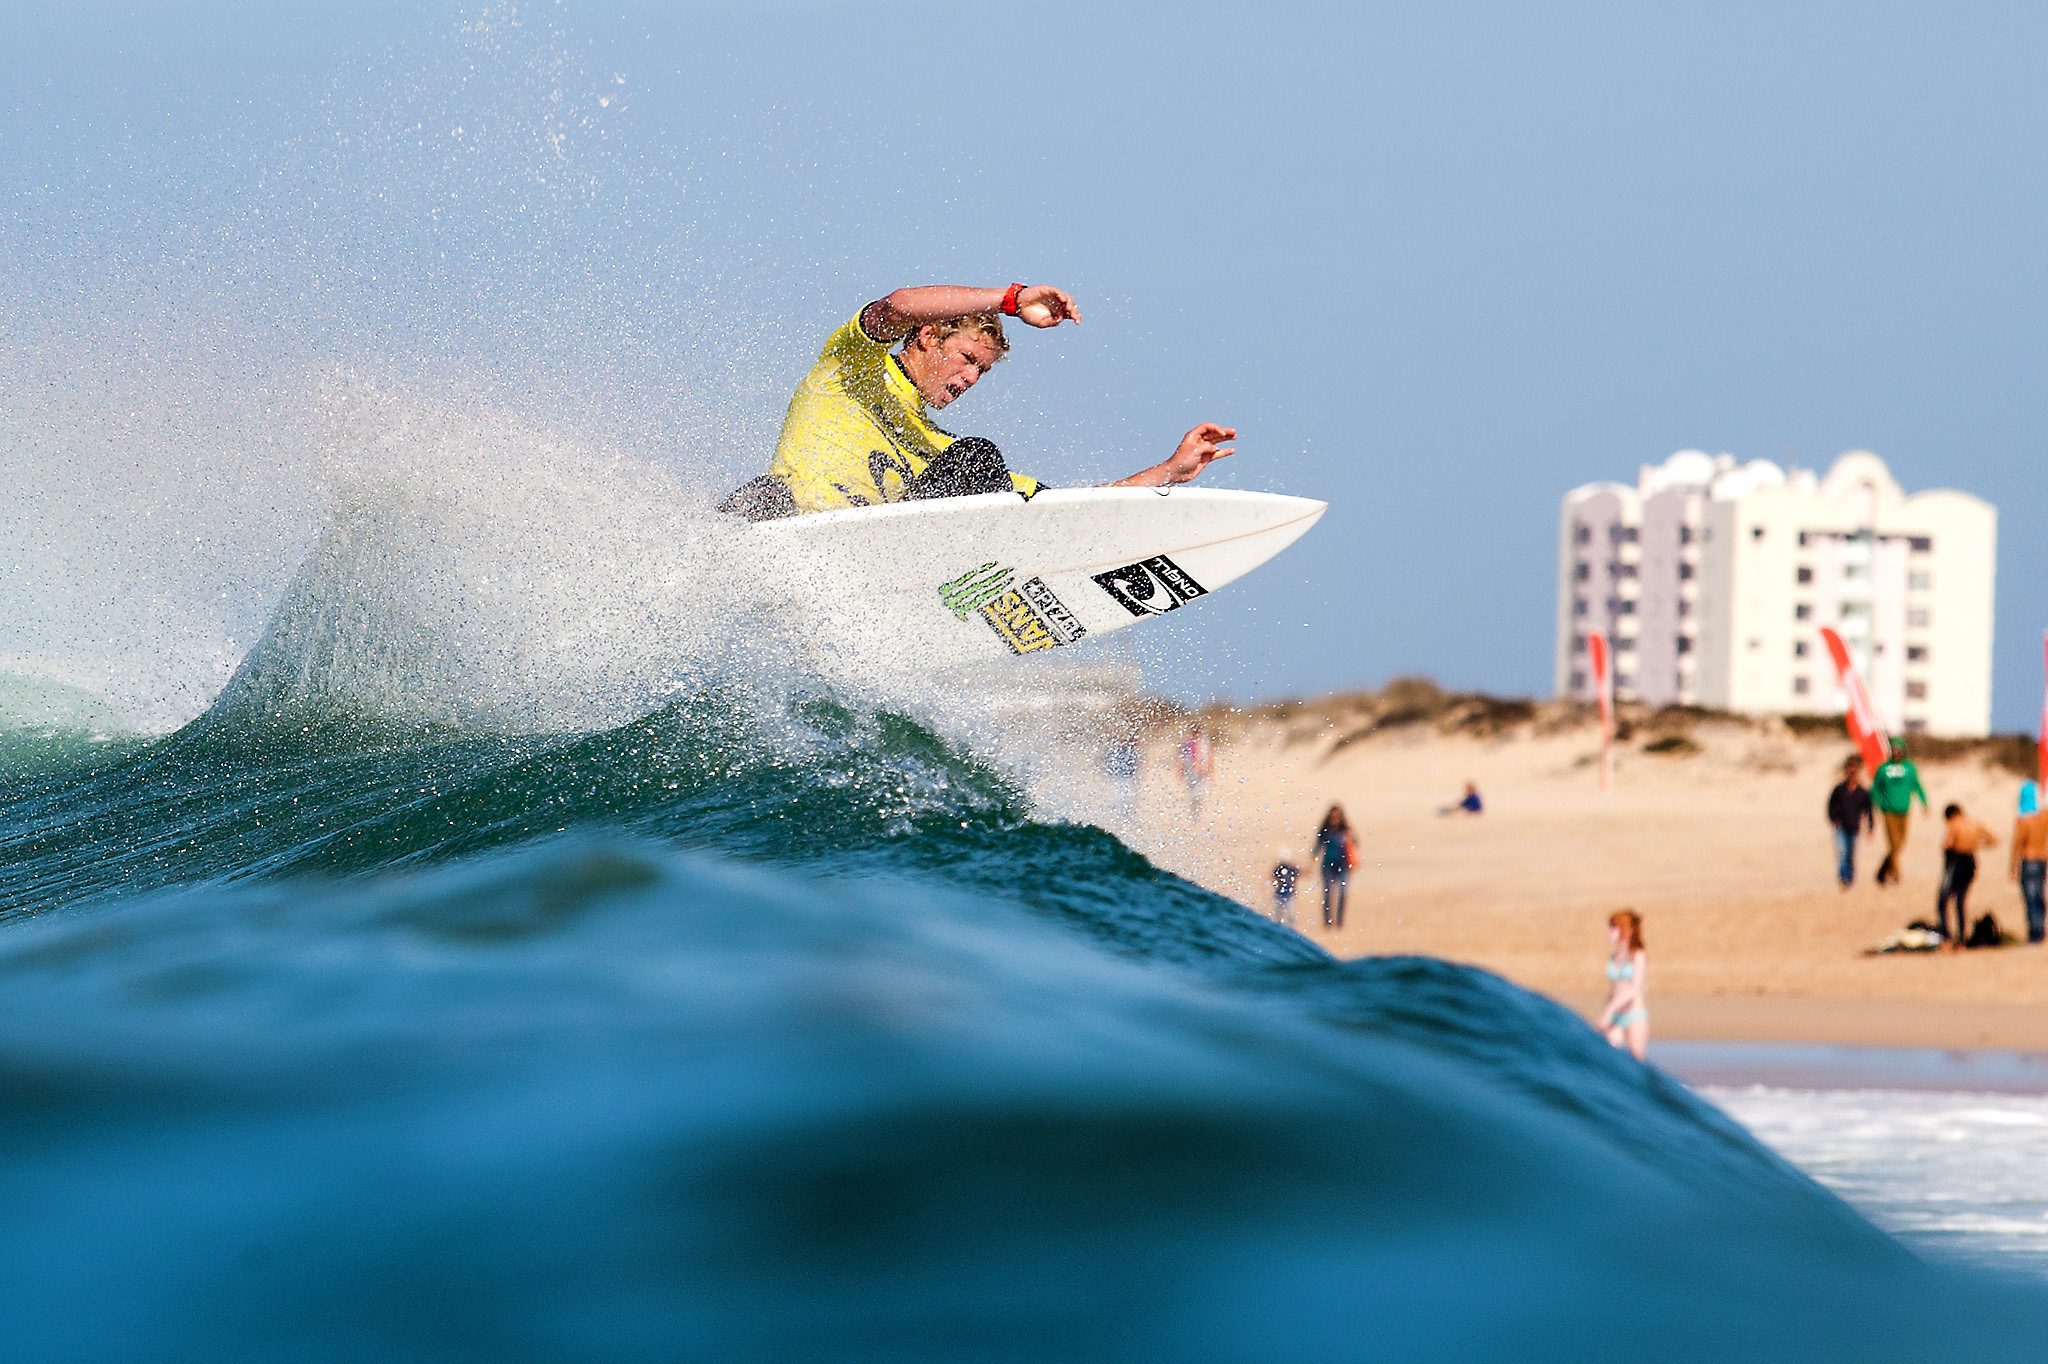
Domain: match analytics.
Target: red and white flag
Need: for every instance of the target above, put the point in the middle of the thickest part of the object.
(1603, 691)
(1864, 726)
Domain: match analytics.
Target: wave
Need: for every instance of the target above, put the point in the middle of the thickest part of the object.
(606, 1099)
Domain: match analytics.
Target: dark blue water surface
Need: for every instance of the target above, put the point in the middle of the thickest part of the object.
(722, 1035)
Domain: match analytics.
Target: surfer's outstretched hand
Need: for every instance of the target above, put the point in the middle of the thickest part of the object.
(1041, 305)
(1198, 449)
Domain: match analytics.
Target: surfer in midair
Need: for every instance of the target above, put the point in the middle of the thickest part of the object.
(859, 430)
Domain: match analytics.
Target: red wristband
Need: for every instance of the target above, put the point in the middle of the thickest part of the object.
(1010, 300)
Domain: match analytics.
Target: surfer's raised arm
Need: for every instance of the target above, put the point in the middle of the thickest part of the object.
(898, 314)
(860, 429)
(1198, 449)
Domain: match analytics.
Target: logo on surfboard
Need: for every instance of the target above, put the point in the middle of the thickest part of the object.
(1151, 587)
(975, 588)
(1029, 618)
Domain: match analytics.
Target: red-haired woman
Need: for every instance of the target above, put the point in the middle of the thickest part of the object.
(1626, 1019)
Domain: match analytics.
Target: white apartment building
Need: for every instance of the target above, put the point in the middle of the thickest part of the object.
(1712, 579)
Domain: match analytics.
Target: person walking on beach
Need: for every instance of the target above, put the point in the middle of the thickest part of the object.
(1196, 767)
(2030, 858)
(1337, 854)
(1849, 813)
(1626, 1017)
(1892, 788)
(1286, 875)
(1960, 842)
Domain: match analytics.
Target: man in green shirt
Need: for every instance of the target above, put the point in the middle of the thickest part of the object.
(1892, 788)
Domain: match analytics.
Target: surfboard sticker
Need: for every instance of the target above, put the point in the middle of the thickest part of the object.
(1029, 618)
(1150, 587)
(975, 588)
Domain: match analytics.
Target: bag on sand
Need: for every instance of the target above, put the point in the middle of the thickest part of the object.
(1350, 853)
(1985, 933)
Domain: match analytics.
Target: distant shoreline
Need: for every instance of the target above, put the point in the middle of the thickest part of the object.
(1742, 1065)
(1715, 830)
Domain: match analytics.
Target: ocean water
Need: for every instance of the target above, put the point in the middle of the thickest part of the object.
(745, 1017)
(1955, 1173)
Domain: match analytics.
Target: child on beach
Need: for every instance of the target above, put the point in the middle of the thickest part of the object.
(1286, 873)
(1626, 1017)
(1959, 845)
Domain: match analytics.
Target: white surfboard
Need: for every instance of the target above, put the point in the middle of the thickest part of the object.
(956, 579)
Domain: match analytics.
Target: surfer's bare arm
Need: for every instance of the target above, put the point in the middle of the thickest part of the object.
(896, 315)
(1198, 449)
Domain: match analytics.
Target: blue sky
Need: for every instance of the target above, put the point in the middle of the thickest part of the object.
(1440, 262)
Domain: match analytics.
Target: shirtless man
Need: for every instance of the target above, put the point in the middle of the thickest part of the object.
(859, 430)
(1961, 841)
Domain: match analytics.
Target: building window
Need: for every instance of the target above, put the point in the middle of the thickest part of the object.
(1798, 648)
(1684, 608)
(1578, 606)
(1624, 570)
(1685, 572)
(1756, 532)
(1803, 538)
(1920, 580)
(1624, 645)
(1918, 617)
(1685, 644)
(1805, 575)
(1922, 544)
(1916, 653)
(1803, 611)
(1582, 534)
(1916, 726)
(1685, 535)
(1799, 685)
(1578, 644)
(1916, 691)
(1581, 572)
(1852, 609)
(1628, 608)
(1578, 681)
(1855, 570)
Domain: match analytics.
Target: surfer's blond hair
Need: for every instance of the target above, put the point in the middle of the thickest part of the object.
(989, 325)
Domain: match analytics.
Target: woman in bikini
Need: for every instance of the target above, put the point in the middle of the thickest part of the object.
(1626, 1019)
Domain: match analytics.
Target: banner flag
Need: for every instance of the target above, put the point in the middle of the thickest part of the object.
(1603, 688)
(1861, 716)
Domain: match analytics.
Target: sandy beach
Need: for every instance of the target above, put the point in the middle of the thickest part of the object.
(1719, 840)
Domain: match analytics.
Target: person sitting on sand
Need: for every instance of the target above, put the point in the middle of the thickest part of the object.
(1626, 1017)
(1468, 804)
(859, 430)
(2030, 859)
(1960, 842)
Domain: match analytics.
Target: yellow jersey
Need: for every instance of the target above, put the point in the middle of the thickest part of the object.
(857, 432)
